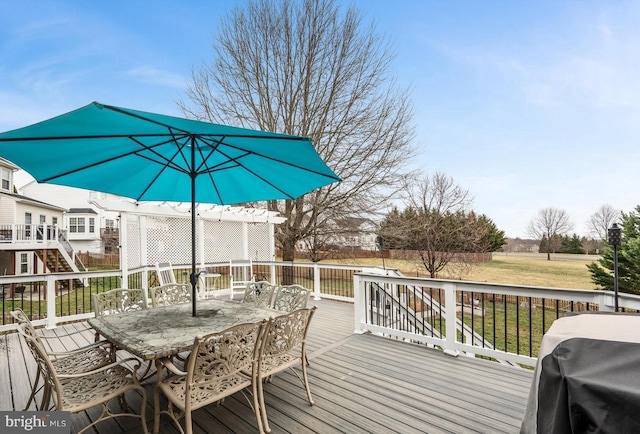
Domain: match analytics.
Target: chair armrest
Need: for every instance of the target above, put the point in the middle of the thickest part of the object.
(80, 349)
(104, 368)
(168, 363)
(62, 336)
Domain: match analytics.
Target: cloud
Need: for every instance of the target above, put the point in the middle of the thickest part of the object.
(149, 74)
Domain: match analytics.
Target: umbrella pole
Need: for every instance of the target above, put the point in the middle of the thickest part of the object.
(193, 277)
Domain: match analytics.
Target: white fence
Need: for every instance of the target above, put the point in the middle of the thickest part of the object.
(502, 322)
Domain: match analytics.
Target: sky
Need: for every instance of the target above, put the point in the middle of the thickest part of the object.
(527, 105)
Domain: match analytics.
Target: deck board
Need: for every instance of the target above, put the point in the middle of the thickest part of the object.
(360, 384)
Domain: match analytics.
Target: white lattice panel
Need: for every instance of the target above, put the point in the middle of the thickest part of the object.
(259, 242)
(222, 241)
(168, 239)
(133, 242)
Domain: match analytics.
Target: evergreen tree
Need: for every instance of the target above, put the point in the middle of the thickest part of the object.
(492, 239)
(628, 258)
(438, 237)
(572, 245)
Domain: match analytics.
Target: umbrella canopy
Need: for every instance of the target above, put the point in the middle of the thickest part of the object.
(154, 157)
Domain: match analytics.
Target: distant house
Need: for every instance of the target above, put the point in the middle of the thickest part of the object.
(521, 245)
(31, 237)
(350, 234)
(89, 228)
(83, 229)
(356, 234)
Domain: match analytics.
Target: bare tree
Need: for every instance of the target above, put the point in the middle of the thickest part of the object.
(318, 245)
(434, 227)
(308, 68)
(550, 224)
(601, 221)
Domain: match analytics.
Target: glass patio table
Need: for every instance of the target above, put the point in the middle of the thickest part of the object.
(169, 330)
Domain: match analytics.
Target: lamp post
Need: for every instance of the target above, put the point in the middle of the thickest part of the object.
(614, 235)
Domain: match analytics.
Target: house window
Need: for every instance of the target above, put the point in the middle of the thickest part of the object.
(54, 220)
(92, 225)
(76, 224)
(24, 263)
(109, 223)
(6, 181)
(43, 219)
(27, 224)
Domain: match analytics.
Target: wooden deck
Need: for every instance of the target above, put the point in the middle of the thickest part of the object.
(360, 384)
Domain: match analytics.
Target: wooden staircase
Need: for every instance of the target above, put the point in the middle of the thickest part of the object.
(56, 261)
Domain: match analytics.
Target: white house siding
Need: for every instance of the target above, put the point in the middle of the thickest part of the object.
(94, 246)
(59, 195)
(7, 210)
(86, 235)
(70, 197)
(36, 212)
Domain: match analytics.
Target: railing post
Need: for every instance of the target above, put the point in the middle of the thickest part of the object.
(52, 319)
(449, 346)
(317, 295)
(272, 273)
(124, 252)
(606, 302)
(200, 232)
(358, 303)
(272, 253)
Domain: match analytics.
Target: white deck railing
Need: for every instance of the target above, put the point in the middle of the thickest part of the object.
(502, 322)
(22, 234)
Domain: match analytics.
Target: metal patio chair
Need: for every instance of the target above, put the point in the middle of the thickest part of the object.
(291, 297)
(213, 372)
(120, 301)
(284, 346)
(259, 294)
(83, 390)
(170, 293)
(81, 359)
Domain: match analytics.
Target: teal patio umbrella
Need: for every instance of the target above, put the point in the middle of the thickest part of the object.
(153, 157)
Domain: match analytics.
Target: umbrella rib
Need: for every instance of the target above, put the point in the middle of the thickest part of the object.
(239, 164)
(136, 152)
(169, 162)
(213, 149)
(248, 152)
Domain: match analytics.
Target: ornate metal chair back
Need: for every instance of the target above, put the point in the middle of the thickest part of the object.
(170, 293)
(290, 298)
(259, 293)
(119, 300)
